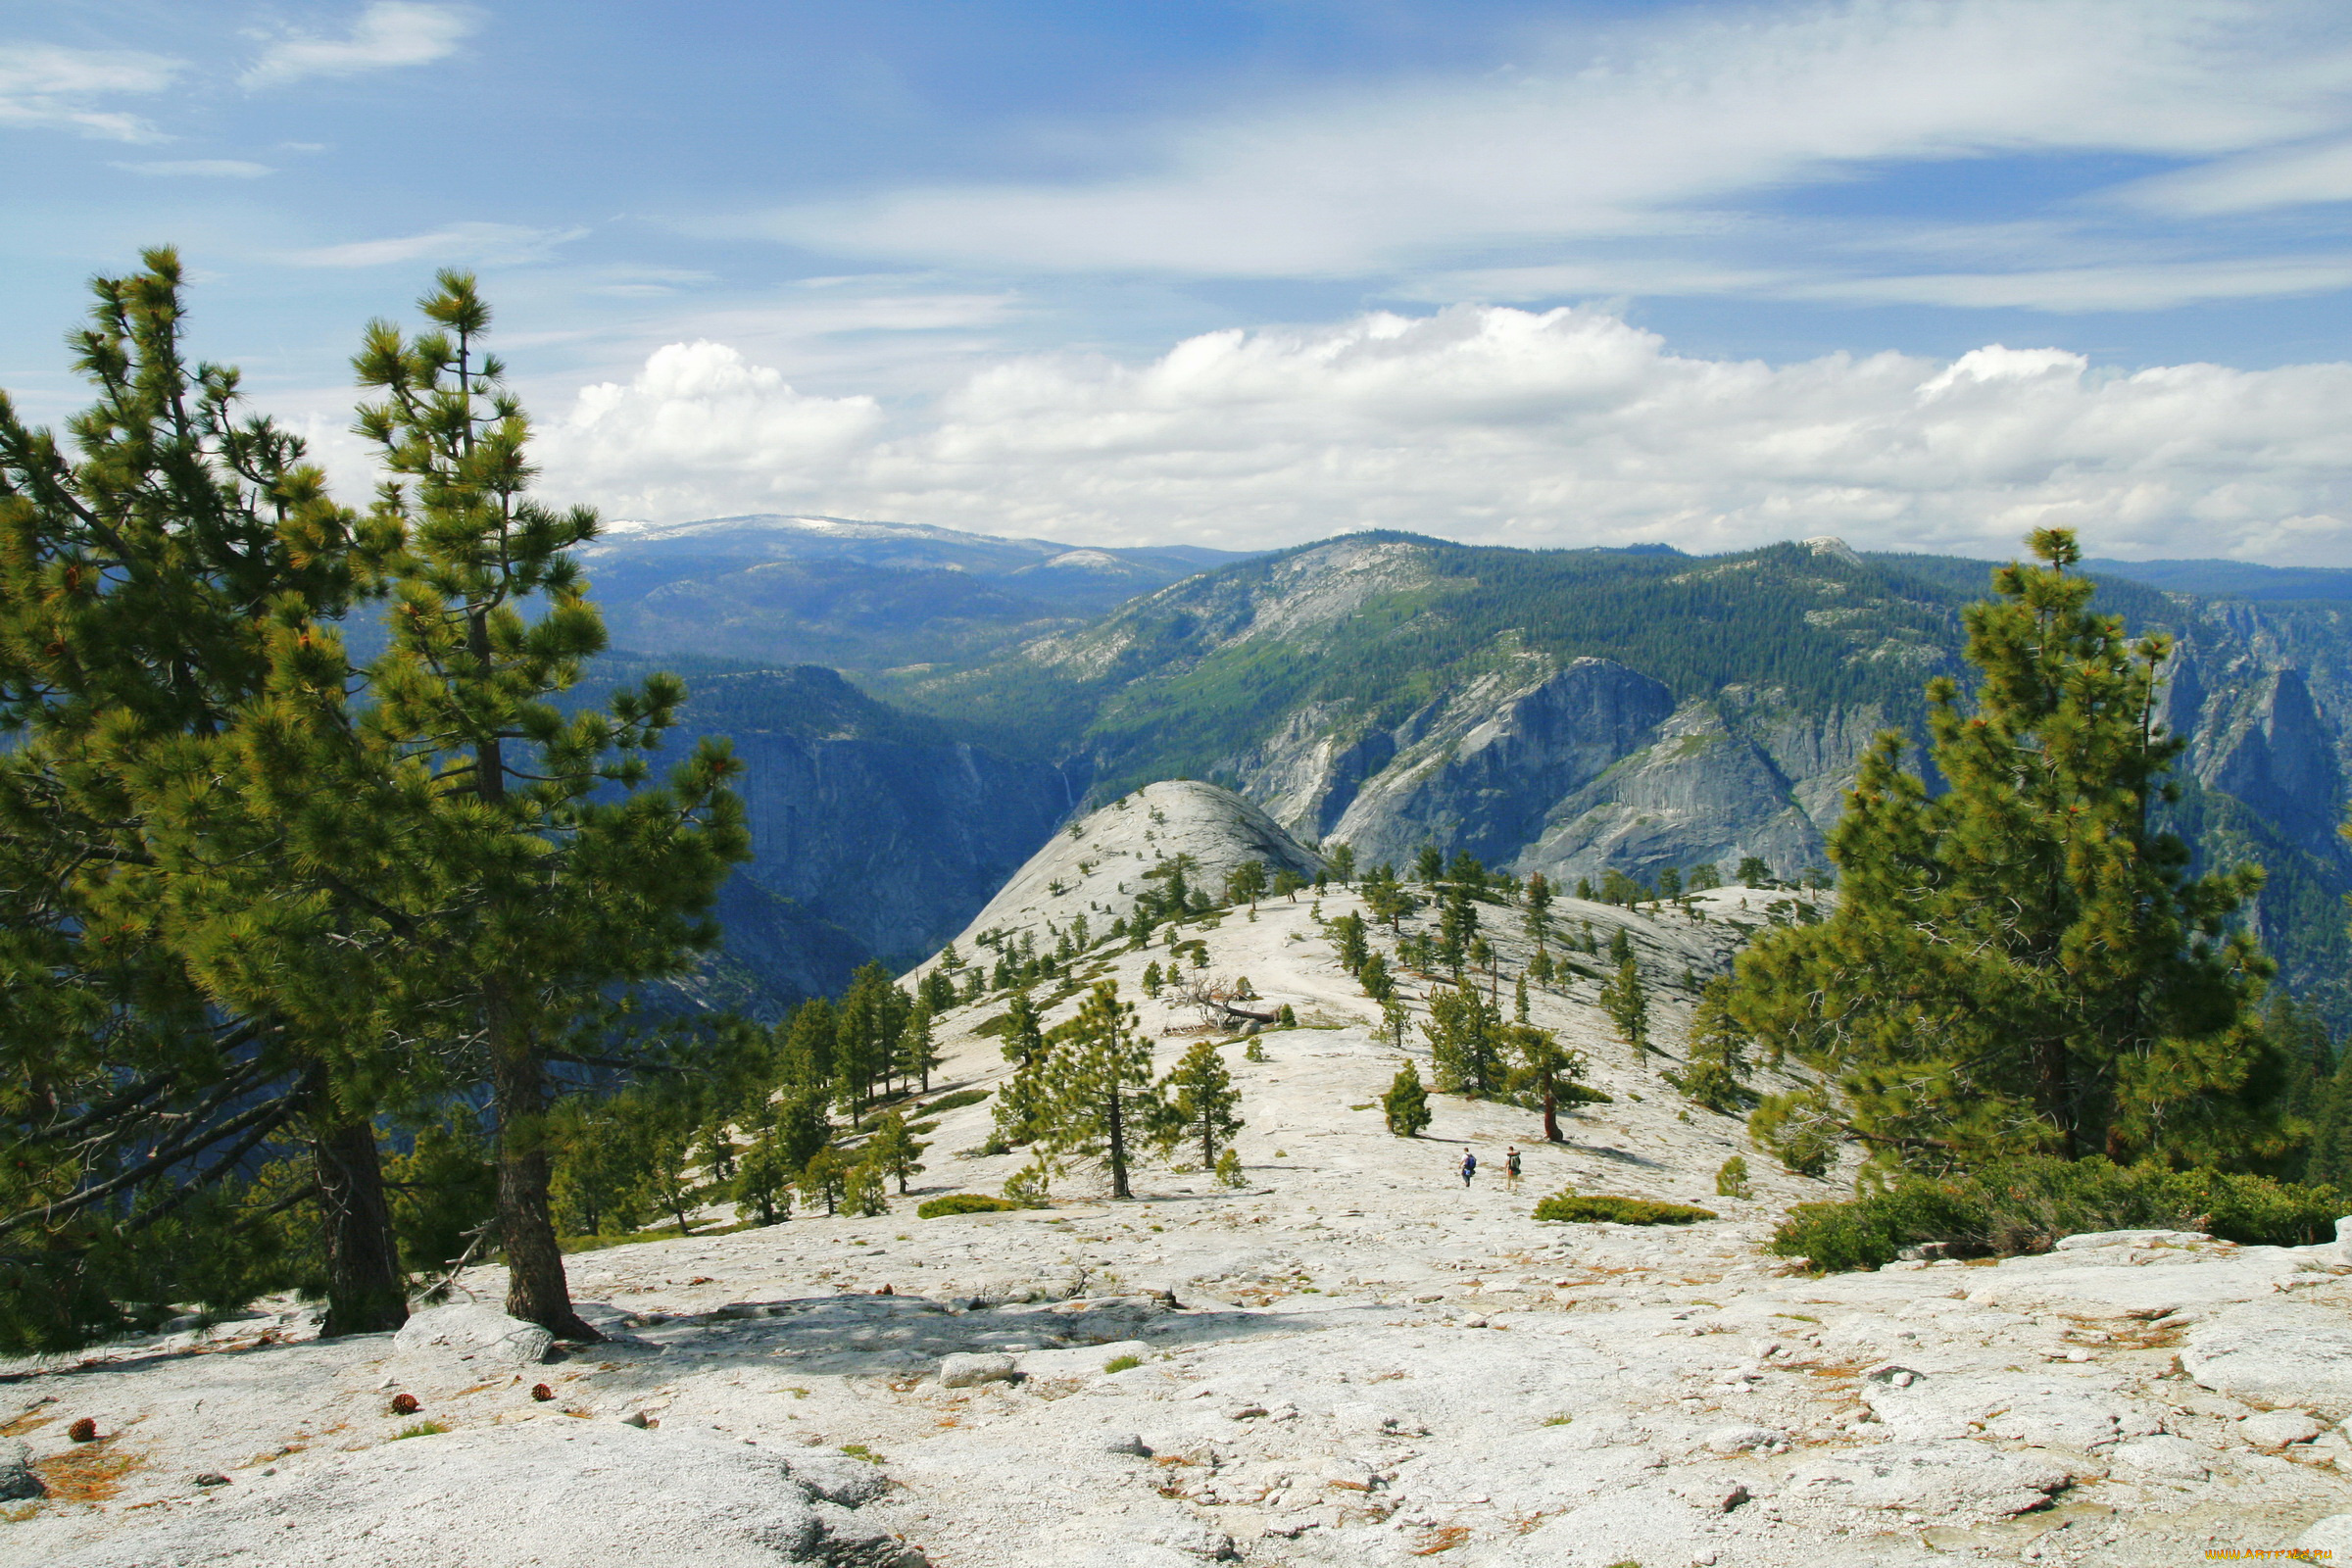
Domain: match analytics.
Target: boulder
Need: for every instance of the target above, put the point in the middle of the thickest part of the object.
(837, 1478)
(587, 1495)
(2071, 1244)
(2283, 1355)
(16, 1480)
(2272, 1430)
(471, 1331)
(2328, 1540)
(1740, 1439)
(966, 1369)
(2160, 1457)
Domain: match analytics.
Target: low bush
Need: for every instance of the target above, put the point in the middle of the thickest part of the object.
(1579, 1210)
(2015, 1206)
(962, 1203)
(955, 1102)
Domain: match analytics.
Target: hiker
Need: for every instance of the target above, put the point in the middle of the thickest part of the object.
(1469, 1167)
(1511, 1169)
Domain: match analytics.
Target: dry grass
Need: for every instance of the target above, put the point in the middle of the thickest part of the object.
(1444, 1539)
(90, 1473)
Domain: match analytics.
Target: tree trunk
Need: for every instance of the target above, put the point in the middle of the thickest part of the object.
(364, 1294)
(1119, 1152)
(536, 1289)
(1552, 1114)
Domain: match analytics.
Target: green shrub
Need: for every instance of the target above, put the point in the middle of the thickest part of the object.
(962, 1203)
(2025, 1206)
(1122, 1364)
(1731, 1178)
(955, 1102)
(423, 1429)
(1574, 1209)
(993, 1026)
(1581, 1095)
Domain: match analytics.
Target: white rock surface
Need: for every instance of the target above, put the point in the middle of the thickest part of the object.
(2276, 1355)
(587, 1495)
(964, 1370)
(2272, 1430)
(471, 1331)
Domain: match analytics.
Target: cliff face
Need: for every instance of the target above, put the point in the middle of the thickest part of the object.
(872, 837)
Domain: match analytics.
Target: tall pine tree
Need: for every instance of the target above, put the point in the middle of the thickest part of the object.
(2023, 963)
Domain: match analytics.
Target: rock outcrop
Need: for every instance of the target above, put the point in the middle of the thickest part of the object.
(1097, 867)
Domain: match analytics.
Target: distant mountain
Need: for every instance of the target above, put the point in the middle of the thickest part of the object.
(1573, 712)
(856, 595)
(2208, 579)
(2233, 579)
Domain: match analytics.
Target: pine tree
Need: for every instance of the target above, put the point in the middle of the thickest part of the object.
(1394, 1018)
(1200, 1102)
(1752, 872)
(763, 1177)
(158, 578)
(1465, 1042)
(1245, 883)
(537, 871)
(1405, 1105)
(1024, 1034)
(1717, 1054)
(1429, 864)
(862, 1195)
(1342, 861)
(1538, 909)
(1347, 937)
(1374, 977)
(1101, 1098)
(894, 1150)
(823, 1176)
(918, 1051)
(1540, 968)
(1153, 981)
(1627, 1003)
(1542, 1065)
(1457, 929)
(1519, 999)
(806, 1056)
(2021, 963)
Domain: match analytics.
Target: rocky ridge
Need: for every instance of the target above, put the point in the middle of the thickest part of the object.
(1355, 1358)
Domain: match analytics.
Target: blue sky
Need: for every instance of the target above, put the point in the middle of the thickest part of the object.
(1920, 273)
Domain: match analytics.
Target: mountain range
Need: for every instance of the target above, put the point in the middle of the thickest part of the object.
(1565, 710)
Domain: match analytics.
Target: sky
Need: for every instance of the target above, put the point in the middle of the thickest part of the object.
(1921, 273)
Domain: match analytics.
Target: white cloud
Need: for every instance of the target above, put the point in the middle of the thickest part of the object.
(202, 168)
(41, 84)
(699, 421)
(387, 34)
(488, 244)
(2292, 176)
(1560, 428)
(1638, 133)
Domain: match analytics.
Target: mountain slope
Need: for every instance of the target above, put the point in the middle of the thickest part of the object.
(865, 596)
(1097, 869)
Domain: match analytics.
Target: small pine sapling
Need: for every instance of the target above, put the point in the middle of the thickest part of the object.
(822, 1178)
(862, 1190)
(1405, 1105)
(895, 1150)
(1229, 1169)
(1731, 1179)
